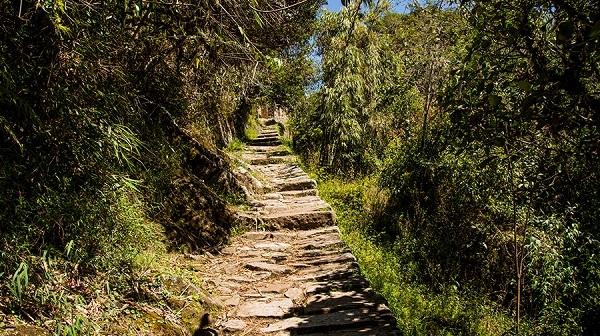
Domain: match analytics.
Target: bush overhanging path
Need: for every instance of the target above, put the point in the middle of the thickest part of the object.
(296, 276)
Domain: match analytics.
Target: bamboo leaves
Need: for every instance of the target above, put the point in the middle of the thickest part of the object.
(125, 144)
(20, 281)
(358, 68)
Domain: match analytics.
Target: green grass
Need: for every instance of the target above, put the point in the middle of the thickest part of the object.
(251, 133)
(286, 142)
(235, 145)
(418, 310)
(252, 128)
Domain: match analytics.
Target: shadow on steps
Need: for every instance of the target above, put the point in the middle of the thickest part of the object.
(340, 303)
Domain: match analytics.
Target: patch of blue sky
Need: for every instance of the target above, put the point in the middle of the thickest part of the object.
(397, 6)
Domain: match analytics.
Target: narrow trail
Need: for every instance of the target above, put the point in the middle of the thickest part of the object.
(297, 277)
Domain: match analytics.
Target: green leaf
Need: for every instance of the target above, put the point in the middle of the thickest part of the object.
(494, 100)
(69, 248)
(20, 281)
(257, 18)
(243, 34)
(524, 85)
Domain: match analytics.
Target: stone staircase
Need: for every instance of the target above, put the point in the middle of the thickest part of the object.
(293, 276)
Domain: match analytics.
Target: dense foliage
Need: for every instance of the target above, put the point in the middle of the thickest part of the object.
(480, 122)
(472, 125)
(359, 69)
(111, 116)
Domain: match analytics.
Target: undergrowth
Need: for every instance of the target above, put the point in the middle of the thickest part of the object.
(388, 267)
(252, 127)
(158, 294)
(235, 145)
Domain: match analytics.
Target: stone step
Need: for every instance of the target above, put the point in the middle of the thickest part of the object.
(268, 136)
(275, 308)
(278, 152)
(302, 221)
(281, 167)
(270, 130)
(289, 209)
(265, 160)
(284, 195)
(295, 184)
(370, 331)
(325, 231)
(352, 281)
(267, 139)
(340, 274)
(321, 303)
(279, 200)
(265, 142)
(301, 255)
(278, 175)
(273, 151)
(291, 234)
(335, 258)
(263, 149)
(289, 206)
(299, 236)
(299, 193)
(281, 177)
(361, 317)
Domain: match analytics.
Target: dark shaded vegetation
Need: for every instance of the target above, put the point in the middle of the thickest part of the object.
(478, 124)
(112, 116)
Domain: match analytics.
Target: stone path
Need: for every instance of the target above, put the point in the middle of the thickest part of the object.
(295, 276)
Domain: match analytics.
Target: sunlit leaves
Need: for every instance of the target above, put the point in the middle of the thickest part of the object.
(352, 64)
(125, 144)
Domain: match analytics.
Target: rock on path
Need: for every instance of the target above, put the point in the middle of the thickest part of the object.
(298, 277)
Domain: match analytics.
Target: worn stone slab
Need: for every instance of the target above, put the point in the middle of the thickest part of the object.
(275, 288)
(309, 254)
(240, 279)
(234, 325)
(294, 293)
(322, 303)
(299, 220)
(320, 231)
(261, 160)
(263, 149)
(256, 235)
(299, 193)
(319, 245)
(275, 308)
(327, 275)
(269, 267)
(295, 184)
(272, 246)
(332, 258)
(265, 142)
(337, 320)
(232, 301)
(388, 330)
